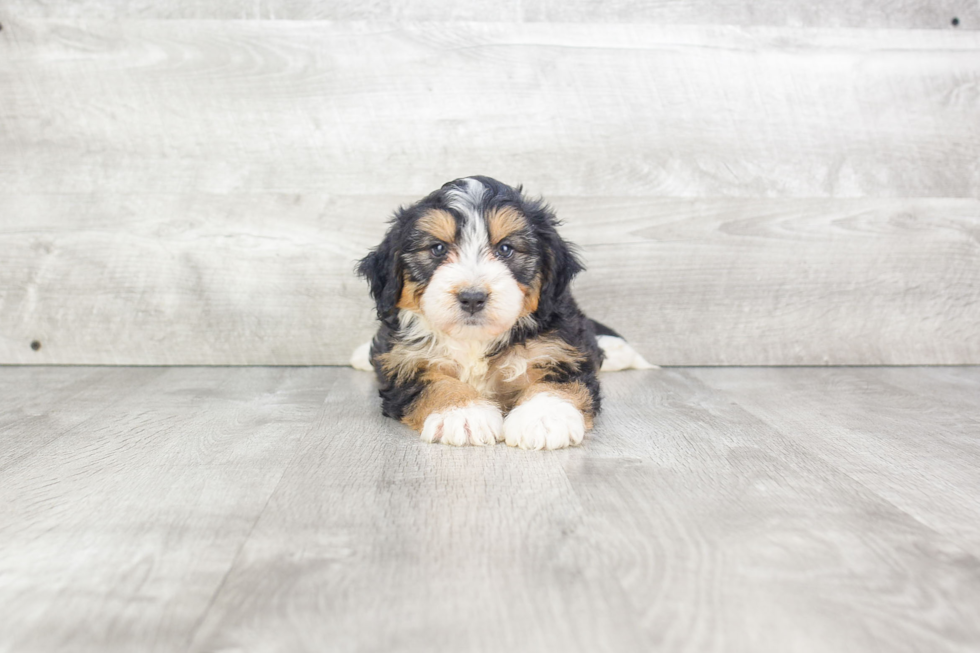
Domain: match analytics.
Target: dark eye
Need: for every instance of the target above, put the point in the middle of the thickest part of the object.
(504, 250)
(438, 250)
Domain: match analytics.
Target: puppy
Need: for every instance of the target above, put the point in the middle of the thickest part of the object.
(480, 339)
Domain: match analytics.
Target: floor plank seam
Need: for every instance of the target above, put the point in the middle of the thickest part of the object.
(102, 410)
(194, 631)
(950, 539)
(744, 510)
(297, 455)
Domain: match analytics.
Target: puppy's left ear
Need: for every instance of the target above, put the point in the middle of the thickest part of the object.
(560, 264)
(382, 269)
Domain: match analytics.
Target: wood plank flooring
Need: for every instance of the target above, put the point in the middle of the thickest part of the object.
(274, 509)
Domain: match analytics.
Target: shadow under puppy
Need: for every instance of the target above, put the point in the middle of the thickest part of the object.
(477, 322)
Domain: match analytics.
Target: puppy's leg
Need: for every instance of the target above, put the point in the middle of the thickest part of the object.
(549, 416)
(452, 412)
(620, 355)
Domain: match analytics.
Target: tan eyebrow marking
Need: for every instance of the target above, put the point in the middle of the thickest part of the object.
(503, 222)
(440, 224)
(532, 295)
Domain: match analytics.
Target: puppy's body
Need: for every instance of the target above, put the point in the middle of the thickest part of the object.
(477, 321)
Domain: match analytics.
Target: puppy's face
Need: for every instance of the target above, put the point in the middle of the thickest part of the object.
(473, 258)
(470, 264)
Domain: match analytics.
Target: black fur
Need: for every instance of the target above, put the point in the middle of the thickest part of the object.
(383, 270)
(557, 314)
(396, 398)
(602, 330)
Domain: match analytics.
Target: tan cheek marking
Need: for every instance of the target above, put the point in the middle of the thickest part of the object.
(504, 221)
(440, 224)
(441, 393)
(532, 296)
(411, 294)
(574, 393)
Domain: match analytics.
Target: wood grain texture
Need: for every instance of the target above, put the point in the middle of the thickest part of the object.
(882, 435)
(793, 282)
(614, 110)
(268, 278)
(196, 191)
(117, 532)
(461, 549)
(276, 510)
(147, 279)
(876, 13)
(953, 388)
(43, 404)
(698, 502)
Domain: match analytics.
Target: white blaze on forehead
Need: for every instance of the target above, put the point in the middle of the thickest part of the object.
(468, 200)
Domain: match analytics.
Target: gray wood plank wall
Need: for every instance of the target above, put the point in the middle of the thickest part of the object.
(791, 185)
(794, 13)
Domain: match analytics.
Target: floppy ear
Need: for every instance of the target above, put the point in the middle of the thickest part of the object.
(382, 269)
(560, 264)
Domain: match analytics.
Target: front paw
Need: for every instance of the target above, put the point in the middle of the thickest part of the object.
(478, 423)
(544, 422)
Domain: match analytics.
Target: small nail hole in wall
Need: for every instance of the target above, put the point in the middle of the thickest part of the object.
(956, 22)
(35, 345)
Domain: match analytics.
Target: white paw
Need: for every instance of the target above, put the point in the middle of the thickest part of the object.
(478, 423)
(544, 422)
(620, 355)
(361, 358)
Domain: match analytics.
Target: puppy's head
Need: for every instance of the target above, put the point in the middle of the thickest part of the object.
(473, 258)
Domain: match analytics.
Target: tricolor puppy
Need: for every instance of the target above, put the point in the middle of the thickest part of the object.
(480, 339)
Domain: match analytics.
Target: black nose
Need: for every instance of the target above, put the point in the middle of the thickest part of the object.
(472, 300)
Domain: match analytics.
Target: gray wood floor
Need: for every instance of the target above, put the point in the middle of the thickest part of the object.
(274, 509)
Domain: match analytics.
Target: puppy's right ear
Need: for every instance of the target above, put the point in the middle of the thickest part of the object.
(382, 269)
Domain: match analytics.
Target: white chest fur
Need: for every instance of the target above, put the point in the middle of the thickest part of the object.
(470, 357)
(467, 356)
